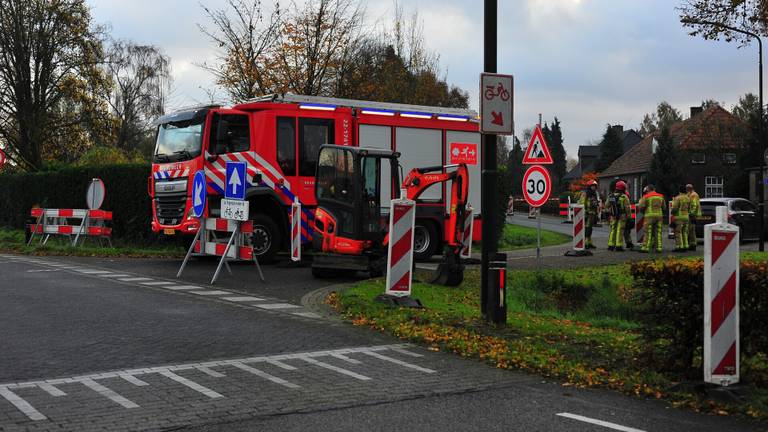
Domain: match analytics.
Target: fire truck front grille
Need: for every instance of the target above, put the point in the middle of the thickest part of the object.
(170, 208)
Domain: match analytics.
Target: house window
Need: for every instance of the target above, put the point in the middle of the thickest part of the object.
(698, 158)
(713, 187)
(729, 158)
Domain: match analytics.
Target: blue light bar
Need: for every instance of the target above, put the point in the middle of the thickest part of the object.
(315, 106)
(416, 114)
(377, 112)
(451, 117)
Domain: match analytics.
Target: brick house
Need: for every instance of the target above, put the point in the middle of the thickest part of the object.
(709, 143)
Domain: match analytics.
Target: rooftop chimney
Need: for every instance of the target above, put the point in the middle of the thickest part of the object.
(696, 110)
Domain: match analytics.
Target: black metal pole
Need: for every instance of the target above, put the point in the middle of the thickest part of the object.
(489, 297)
(761, 138)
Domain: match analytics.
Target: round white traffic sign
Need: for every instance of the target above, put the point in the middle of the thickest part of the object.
(95, 195)
(537, 185)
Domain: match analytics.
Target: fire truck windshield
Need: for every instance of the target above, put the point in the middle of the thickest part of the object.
(179, 141)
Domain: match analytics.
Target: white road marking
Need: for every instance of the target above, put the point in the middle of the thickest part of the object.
(51, 390)
(276, 306)
(134, 279)
(42, 270)
(113, 275)
(158, 283)
(605, 424)
(241, 299)
(191, 384)
(183, 287)
(346, 359)
(262, 374)
(398, 362)
(21, 404)
(281, 365)
(107, 393)
(335, 368)
(210, 372)
(211, 293)
(94, 272)
(133, 380)
(306, 314)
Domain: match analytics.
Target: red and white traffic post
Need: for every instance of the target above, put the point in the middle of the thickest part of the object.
(579, 237)
(721, 301)
(296, 230)
(640, 228)
(402, 218)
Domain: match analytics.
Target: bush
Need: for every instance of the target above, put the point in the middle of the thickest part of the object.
(126, 196)
(670, 297)
(566, 296)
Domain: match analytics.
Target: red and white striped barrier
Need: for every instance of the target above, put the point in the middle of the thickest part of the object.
(721, 301)
(640, 228)
(402, 218)
(236, 248)
(296, 230)
(566, 210)
(56, 222)
(579, 235)
(466, 235)
(670, 230)
(532, 211)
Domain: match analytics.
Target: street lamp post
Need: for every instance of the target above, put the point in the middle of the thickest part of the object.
(760, 123)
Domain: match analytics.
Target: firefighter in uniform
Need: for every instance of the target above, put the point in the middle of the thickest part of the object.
(618, 207)
(653, 205)
(694, 213)
(589, 200)
(681, 206)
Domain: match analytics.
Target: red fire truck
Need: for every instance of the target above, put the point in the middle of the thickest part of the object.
(279, 136)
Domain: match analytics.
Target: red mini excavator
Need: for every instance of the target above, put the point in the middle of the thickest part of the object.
(350, 226)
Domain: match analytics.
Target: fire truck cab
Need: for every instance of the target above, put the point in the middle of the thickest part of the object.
(279, 138)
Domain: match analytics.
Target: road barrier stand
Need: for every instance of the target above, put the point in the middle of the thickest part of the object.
(236, 248)
(466, 235)
(90, 224)
(640, 229)
(579, 246)
(670, 221)
(296, 230)
(566, 210)
(721, 301)
(402, 219)
(532, 212)
(511, 207)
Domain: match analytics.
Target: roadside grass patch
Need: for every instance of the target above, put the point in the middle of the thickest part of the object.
(577, 326)
(516, 237)
(13, 241)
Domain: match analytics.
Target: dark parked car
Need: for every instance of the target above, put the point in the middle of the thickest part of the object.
(741, 212)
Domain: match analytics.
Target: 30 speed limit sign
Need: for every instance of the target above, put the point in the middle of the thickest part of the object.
(537, 185)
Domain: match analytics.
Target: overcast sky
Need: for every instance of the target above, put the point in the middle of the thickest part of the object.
(588, 62)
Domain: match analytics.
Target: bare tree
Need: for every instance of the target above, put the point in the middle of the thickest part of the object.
(748, 15)
(141, 81)
(245, 41)
(47, 49)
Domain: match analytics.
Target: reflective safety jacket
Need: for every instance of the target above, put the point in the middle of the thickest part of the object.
(695, 204)
(681, 206)
(590, 203)
(653, 204)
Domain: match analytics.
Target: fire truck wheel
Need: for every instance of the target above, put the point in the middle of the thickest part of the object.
(266, 238)
(425, 240)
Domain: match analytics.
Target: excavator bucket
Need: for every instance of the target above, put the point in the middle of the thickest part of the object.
(450, 272)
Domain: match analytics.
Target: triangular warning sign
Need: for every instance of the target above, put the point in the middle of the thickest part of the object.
(537, 152)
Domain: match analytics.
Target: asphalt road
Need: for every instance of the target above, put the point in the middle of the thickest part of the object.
(89, 344)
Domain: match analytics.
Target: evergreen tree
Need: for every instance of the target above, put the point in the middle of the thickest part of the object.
(611, 148)
(515, 167)
(555, 144)
(665, 167)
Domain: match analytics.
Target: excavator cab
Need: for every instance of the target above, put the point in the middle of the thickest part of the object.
(351, 223)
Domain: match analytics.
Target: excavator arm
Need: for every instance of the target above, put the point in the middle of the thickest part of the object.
(451, 270)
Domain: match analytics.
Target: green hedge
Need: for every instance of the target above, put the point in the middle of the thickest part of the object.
(126, 196)
(670, 297)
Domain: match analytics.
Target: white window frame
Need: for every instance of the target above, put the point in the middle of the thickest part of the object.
(696, 161)
(713, 186)
(729, 158)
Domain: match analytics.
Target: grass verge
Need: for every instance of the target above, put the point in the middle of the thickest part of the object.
(516, 237)
(553, 329)
(13, 241)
